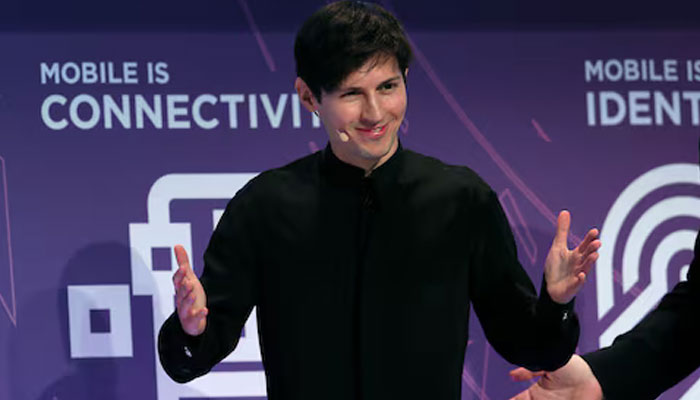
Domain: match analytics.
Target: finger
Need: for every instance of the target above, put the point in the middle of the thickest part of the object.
(198, 315)
(190, 298)
(182, 259)
(563, 223)
(585, 261)
(588, 263)
(524, 374)
(591, 248)
(573, 285)
(184, 291)
(581, 278)
(186, 304)
(178, 277)
(184, 308)
(586, 242)
(585, 264)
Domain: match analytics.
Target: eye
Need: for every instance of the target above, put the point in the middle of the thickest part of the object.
(388, 86)
(350, 93)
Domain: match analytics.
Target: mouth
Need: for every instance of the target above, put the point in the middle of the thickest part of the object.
(372, 133)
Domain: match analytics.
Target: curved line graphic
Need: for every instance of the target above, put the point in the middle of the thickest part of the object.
(681, 206)
(656, 178)
(669, 246)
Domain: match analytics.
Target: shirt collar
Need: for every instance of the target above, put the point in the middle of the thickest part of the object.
(343, 173)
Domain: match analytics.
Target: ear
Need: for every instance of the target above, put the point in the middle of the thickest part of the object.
(306, 96)
(405, 73)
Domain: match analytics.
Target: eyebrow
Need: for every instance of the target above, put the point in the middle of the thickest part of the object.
(351, 88)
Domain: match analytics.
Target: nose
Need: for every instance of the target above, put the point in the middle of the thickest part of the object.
(371, 111)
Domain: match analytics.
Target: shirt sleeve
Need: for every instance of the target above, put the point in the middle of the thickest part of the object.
(231, 285)
(526, 330)
(660, 351)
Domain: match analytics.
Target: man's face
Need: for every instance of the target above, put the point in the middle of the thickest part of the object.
(362, 117)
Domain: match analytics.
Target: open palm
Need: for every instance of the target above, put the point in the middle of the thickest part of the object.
(573, 381)
(190, 298)
(565, 270)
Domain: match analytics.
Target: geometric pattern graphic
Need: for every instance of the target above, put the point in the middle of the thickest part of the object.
(150, 279)
(99, 321)
(91, 337)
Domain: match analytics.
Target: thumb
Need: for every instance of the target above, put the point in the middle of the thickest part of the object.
(181, 256)
(199, 314)
(563, 224)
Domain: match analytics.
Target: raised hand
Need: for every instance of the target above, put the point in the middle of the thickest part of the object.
(573, 381)
(565, 270)
(190, 299)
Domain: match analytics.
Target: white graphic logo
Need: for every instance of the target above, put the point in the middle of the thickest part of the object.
(158, 233)
(636, 241)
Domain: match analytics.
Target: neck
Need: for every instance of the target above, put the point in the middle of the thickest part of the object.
(366, 164)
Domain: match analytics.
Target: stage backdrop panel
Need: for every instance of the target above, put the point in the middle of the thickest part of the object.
(115, 147)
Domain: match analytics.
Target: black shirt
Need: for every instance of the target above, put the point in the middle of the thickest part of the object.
(362, 284)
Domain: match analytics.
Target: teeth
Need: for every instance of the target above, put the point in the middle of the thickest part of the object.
(375, 130)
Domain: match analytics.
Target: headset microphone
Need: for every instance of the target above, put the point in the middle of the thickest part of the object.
(343, 136)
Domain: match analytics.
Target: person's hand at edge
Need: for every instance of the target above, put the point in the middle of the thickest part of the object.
(573, 381)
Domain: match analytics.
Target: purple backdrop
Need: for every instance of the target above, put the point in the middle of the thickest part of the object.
(78, 225)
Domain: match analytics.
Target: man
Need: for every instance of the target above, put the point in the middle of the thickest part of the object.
(640, 364)
(361, 259)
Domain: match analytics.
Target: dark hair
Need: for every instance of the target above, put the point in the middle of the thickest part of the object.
(341, 37)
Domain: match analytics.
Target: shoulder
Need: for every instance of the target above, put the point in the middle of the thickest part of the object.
(456, 180)
(295, 177)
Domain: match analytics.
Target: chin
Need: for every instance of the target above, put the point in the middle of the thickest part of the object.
(376, 153)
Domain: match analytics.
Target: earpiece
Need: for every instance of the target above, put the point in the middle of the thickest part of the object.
(343, 136)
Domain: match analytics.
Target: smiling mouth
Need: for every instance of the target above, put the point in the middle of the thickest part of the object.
(374, 131)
